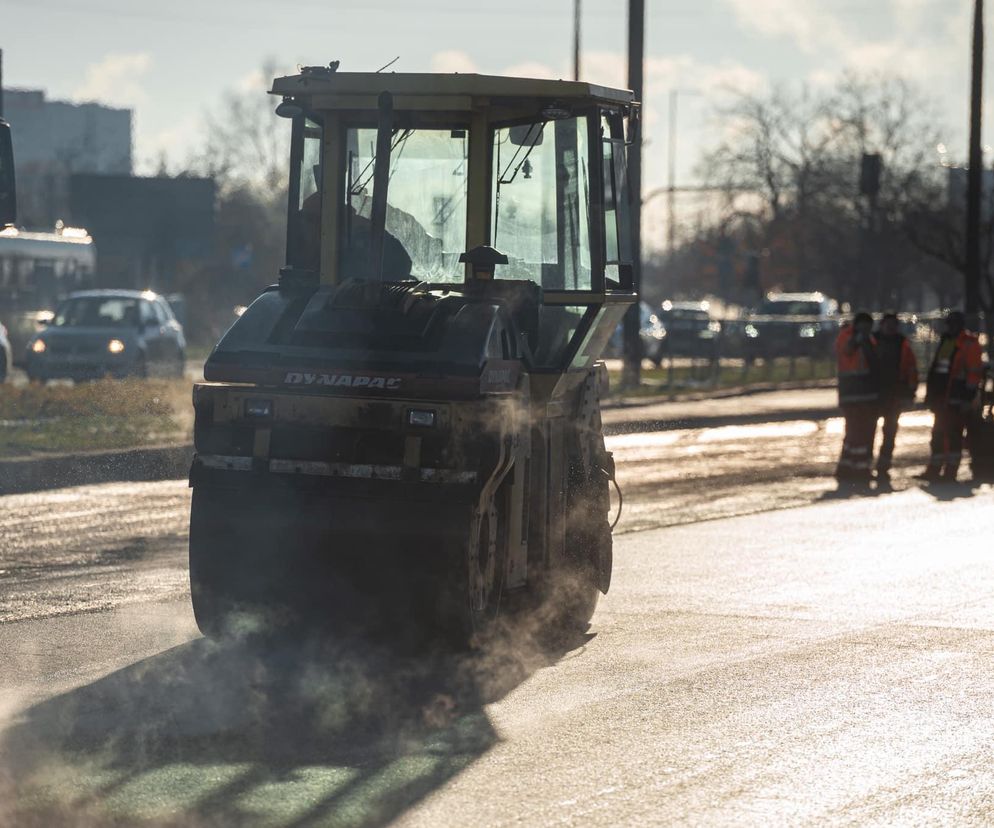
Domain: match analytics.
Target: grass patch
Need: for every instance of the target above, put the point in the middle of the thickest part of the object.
(666, 382)
(106, 414)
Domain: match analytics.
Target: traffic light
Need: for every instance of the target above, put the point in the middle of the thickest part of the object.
(869, 175)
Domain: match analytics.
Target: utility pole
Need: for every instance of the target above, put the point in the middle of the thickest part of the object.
(632, 374)
(975, 174)
(671, 174)
(869, 288)
(576, 40)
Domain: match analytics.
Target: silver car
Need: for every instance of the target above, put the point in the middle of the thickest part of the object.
(116, 333)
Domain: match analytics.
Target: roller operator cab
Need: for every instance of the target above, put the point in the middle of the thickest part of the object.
(407, 425)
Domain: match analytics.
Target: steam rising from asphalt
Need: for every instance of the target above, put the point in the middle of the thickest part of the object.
(346, 730)
(330, 729)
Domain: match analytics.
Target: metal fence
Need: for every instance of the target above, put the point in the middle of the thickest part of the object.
(761, 349)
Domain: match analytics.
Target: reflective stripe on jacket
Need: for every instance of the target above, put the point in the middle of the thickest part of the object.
(859, 380)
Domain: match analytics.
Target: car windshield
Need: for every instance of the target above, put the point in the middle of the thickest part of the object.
(97, 312)
(789, 307)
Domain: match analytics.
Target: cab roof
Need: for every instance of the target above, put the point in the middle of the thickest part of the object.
(322, 81)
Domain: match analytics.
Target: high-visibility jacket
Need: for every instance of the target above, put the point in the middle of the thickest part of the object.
(957, 370)
(859, 377)
(898, 367)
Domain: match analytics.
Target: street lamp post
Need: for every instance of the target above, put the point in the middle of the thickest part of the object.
(671, 168)
(632, 374)
(975, 171)
(576, 39)
(671, 177)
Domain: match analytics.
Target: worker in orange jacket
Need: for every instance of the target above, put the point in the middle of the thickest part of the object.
(859, 397)
(951, 392)
(898, 386)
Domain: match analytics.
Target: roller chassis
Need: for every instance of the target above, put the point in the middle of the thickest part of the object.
(497, 528)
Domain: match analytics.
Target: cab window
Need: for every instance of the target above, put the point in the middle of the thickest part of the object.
(617, 219)
(540, 211)
(304, 221)
(426, 204)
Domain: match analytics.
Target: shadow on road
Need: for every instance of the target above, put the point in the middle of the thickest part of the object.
(311, 734)
(948, 491)
(846, 491)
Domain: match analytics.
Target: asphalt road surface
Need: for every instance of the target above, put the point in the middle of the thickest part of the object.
(752, 664)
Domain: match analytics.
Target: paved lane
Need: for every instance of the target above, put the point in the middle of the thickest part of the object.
(92, 547)
(824, 664)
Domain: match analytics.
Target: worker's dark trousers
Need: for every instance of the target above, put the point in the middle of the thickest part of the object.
(890, 412)
(857, 445)
(947, 440)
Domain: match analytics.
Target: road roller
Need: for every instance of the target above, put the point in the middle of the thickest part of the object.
(406, 428)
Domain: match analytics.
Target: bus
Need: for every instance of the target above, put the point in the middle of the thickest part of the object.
(36, 271)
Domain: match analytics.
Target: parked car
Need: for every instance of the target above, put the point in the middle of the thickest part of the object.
(652, 336)
(791, 324)
(117, 333)
(6, 354)
(690, 330)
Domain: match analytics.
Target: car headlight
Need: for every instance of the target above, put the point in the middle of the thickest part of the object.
(115, 346)
(39, 346)
(714, 327)
(807, 331)
(751, 331)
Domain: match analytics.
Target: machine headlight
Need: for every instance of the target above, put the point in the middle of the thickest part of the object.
(751, 331)
(115, 346)
(39, 346)
(714, 326)
(422, 418)
(807, 331)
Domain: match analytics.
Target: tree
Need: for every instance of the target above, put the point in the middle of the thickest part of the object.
(246, 143)
(789, 172)
(246, 151)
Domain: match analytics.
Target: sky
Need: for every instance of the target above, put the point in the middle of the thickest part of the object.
(171, 63)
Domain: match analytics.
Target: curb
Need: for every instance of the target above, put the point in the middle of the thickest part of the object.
(718, 420)
(32, 474)
(622, 402)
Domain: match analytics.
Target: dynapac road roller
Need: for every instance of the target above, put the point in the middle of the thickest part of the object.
(408, 424)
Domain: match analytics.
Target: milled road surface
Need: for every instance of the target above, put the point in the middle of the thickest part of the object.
(827, 663)
(104, 546)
